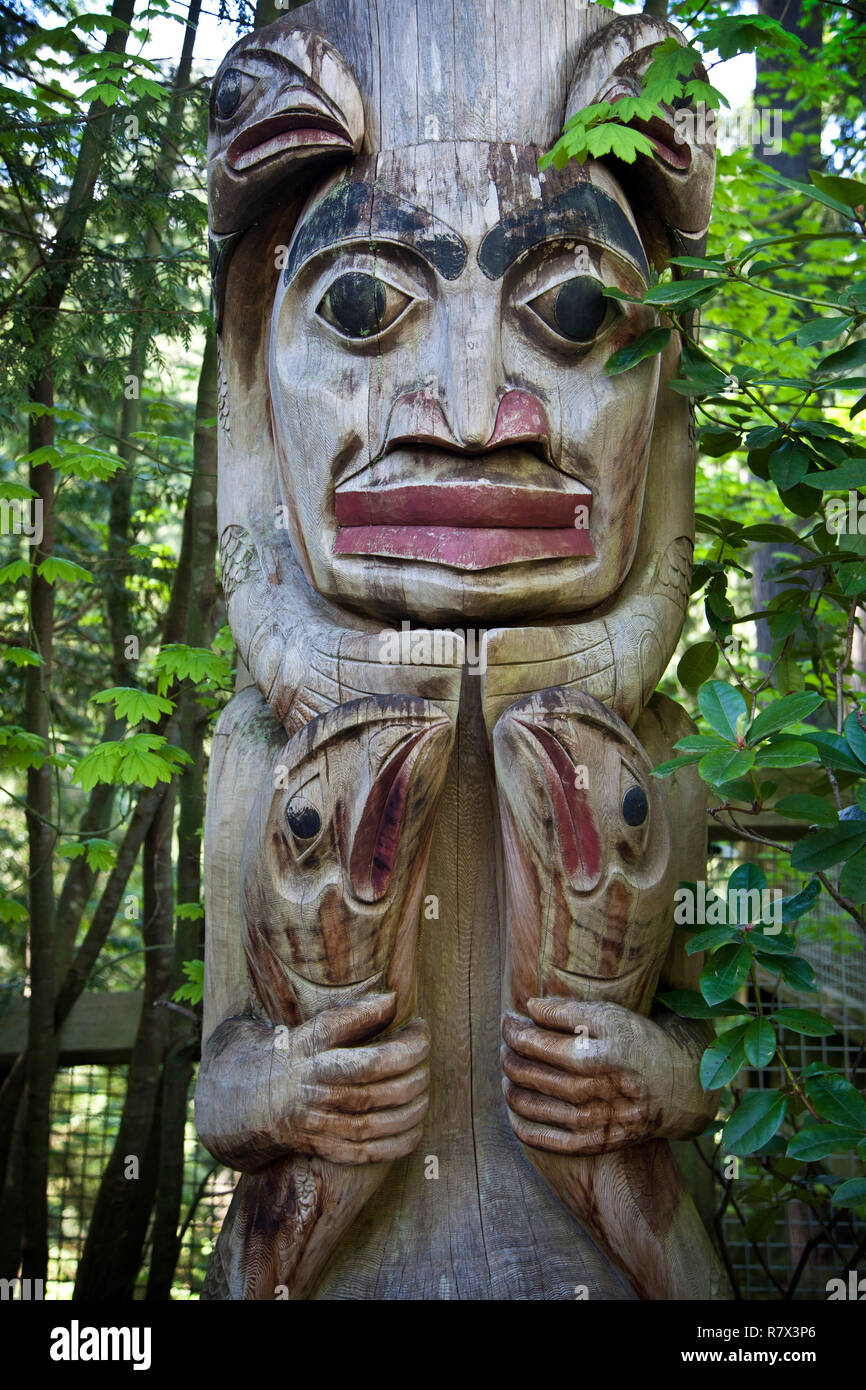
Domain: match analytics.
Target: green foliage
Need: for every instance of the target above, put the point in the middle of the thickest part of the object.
(134, 705)
(143, 758)
(193, 989)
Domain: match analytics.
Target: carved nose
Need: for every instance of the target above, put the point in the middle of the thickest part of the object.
(520, 419)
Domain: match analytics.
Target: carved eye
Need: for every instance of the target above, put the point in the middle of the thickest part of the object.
(635, 807)
(360, 305)
(576, 309)
(230, 91)
(303, 818)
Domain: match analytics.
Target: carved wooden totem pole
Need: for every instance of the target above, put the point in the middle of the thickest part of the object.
(456, 556)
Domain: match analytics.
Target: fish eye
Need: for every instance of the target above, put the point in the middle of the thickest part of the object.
(360, 305)
(230, 91)
(576, 309)
(635, 807)
(303, 819)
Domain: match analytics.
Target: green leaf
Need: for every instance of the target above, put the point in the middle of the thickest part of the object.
(134, 705)
(836, 1100)
(647, 345)
(21, 656)
(815, 1142)
(777, 944)
(789, 465)
(803, 1021)
(144, 758)
(851, 1193)
(795, 970)
(674, 764)
(12, 911)
(53, 568)
(725, 973)
(834, 752)
(746, 876)
(845, 359)
(722, 705)
(821, 330)
(823, 848)
(701, 743)
(12, 573)
(718, 443)
(754, 1122)
(801, 902)
(786, 752)
(851, 474)
(697, 664)
(723, 1058)
(193, 990)
(852, 880)
(681, 292)
(809, 808)
(191, 912)
(856, 736)
(760, 1042)
(689, 1004)
(790, 709)
(711, 939)
(180, 662)
(849, 191)
(726, 765)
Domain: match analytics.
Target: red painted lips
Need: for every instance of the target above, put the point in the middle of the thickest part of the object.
(473, 526)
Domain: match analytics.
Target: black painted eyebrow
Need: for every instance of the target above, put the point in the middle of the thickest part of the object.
(353, 210)
(583, 211)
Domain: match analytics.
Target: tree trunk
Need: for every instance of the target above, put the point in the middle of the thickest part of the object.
(199, 559)
(112, 1253)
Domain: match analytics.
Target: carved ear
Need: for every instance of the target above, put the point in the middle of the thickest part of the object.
(671, 192)
(284, 106)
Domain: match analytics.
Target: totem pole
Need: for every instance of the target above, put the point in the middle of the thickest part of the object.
(456, 556)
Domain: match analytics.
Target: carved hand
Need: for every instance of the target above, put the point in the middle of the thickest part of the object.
(590, 1078)
(314, 1089)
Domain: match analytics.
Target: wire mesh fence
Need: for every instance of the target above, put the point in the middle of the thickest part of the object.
(87, 1105)
(788, 1254)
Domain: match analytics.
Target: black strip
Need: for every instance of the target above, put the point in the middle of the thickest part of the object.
(582, 210)
(359, 209)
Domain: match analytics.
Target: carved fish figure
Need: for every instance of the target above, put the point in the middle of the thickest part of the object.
(591, 865)
(334, 862)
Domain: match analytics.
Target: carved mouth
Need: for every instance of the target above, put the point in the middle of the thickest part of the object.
(285, 131)
(671, 151)
(465, 525)
(676, 155)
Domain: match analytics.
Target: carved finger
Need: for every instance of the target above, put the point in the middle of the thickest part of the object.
(378, 1124)
(581, 1055)
(347, 1024)
(368, 1150)
(564, 1141)
(551, 1081)
(380, 1095)
(402, 1053)
(592, 1116)
(567, 1015)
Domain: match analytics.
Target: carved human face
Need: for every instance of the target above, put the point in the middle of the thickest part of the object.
(450, 444)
